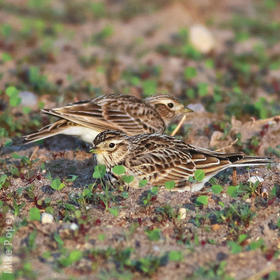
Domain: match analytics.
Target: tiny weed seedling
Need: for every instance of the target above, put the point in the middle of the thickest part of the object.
(149, 196)
(108, 195)
(236, 247)
(153, 235)
(211, 271)
(57, 185)
(237, 216)
(70, 258)
(34, 214)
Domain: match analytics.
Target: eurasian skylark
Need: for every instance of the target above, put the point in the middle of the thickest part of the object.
(129, 114)
(161, 158)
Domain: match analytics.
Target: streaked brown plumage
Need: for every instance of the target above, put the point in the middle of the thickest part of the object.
(161, 158)
(129, 114)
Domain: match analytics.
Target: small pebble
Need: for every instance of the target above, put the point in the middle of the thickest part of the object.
(255, 179)
(182, 213)
(73, 226)
(201, 38)
(28, 99)
(156, 248)
(198, 107)
(46, 218)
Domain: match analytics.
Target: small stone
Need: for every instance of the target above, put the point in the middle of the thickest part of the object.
(221, 256)
(255, 179)
(215, 227)
(156, 248)
(73, 226)
(201, 38)
(198, 107)
(182, 213)
(28, 99)
(47, 218)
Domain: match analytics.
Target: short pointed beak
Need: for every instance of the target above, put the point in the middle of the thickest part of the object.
(188, 110)
(95, 150)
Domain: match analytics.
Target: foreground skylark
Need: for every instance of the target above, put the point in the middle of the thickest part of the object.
(129, 114)
(161, 158)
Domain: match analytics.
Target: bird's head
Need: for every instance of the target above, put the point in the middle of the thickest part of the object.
(111, 147)
(168, 107)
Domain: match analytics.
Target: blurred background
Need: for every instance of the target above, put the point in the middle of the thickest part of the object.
(223, 56)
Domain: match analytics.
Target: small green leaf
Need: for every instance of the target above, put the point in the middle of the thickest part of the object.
(101, 236)
(114, 211)
(190, 72)
(169, 185)
(241, 238)
(46, 255)
(11, 91)
(26, 110)
(127, 178)
(202, 89)
(6, 57)
(235, 247)
(217, 189)
(190, 93)
(14, 99)
(232, 191)
(32, 239)
(199, 175)
(209, 63)
(175, 256)
(58, 239)
(87, 193)
(143, 183)
(118, 169)
(72, 179)
(153, 235)
(149, 87)
(154, 189)
(57, 185)
(34, 214)
(125, 195)
(256, 244)
(3, 179)
(203, 199)
(73, 257)
(99, 171)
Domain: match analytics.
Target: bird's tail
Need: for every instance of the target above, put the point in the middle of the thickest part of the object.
(47, 131)
(251, 161)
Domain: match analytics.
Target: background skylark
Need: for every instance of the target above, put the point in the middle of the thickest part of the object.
(129, 114)
(161, 158)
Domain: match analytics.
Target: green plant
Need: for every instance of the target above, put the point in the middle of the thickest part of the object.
(57, 185)
(34, 214)
(213, 271)
(70, 258)
(153, 235)
(202, 199)
(149, 196)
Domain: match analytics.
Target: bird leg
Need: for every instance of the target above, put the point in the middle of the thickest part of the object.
(234, 177)
(179, 125)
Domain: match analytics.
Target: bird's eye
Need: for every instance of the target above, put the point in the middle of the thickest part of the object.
(111, 145)
(170, 105)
